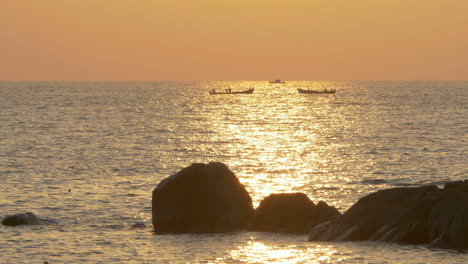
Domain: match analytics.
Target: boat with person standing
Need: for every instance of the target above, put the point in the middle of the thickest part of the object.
(229, 91)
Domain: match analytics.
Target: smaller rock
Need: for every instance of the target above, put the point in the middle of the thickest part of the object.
(324, 213)
(20, 219)
(291, 213)
(139, 225)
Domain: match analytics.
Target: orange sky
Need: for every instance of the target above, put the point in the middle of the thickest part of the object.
(234, 40)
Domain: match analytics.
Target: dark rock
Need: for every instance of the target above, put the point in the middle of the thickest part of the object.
(285, 212)
(20, 219)
(372, 212)
(325, 212)
(422, 215)
(139, 225)
(291, 213)
(440, 220)
(461, 186)
(202, 198)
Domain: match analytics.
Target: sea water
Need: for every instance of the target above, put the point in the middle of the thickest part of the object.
(88, 155)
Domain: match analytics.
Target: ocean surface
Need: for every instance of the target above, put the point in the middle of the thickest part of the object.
(87, 155)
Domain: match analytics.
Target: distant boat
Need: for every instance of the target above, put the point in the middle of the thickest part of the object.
(228, 91)
(325, 91)
(277, 81)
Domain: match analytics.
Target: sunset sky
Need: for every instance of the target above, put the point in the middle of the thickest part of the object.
(120, 40)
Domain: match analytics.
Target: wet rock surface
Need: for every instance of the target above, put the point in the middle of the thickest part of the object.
(418, 215)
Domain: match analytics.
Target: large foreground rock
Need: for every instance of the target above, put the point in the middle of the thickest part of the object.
(419, 215)
(20, 219)
(291, 213)
(202, 198)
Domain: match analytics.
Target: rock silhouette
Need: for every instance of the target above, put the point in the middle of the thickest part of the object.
(291, 213)
(416, 215)
(202, 198)
(20, 219)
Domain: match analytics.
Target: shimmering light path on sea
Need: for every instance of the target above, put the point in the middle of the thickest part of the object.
(111, 143)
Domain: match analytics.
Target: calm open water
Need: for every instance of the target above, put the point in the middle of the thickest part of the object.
(88, 156)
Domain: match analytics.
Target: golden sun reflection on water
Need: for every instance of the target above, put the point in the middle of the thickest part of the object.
(259, 252)
(276, 139)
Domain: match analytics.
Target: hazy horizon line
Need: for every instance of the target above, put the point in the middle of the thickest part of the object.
(265, 80)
